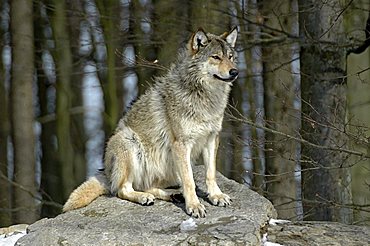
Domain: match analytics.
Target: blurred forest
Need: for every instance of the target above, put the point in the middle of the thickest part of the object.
(297, 128)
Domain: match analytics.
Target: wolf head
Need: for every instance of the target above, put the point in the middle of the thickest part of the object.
(216, 55)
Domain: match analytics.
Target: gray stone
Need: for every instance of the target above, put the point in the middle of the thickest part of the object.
(112, 221)
(319, 234)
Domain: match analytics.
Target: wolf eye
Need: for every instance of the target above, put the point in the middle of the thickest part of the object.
(216, 57)
(231, 56)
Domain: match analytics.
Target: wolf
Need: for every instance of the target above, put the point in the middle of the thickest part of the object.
(176, 121)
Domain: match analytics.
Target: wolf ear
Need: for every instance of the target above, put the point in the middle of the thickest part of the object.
(198, 39)
(230, 37)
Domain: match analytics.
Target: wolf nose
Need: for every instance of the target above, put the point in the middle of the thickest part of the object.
(233, 72)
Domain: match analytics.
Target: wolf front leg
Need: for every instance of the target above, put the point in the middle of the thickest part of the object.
(215, 195)
(181, 155)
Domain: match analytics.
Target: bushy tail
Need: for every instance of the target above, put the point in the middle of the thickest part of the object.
(87, 192)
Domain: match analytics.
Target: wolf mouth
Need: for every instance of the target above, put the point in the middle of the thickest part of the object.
(230, 79)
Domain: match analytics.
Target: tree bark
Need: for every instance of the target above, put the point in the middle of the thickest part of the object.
(51, 186)
(5, 198)
(326, 176)
(75, 14)
(359, 107)
(170, 16)
(108, 76)
(143, 42)
(281, 96)
(254, 85)
(23, 112)
(63, 62)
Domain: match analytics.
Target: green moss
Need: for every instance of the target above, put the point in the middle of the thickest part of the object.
(95, 214)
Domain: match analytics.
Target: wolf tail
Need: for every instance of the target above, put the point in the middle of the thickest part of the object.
(87, 192)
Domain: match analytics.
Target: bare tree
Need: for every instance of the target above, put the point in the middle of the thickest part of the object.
(5, 198)
(22, 111)
(107, 73)
(141, 29)
(326, 178)
(357, 26)
(282, 93)
(75, 14)
(63, 61)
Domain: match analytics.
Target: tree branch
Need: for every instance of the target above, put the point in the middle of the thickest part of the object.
(301, 140)
(35, 196)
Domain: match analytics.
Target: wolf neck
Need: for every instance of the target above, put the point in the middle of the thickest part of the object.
(189, 86)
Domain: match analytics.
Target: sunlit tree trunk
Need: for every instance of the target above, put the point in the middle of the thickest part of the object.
(22, 111)
(326, 178)
(281, 95)
(5, 198)
(359, 107)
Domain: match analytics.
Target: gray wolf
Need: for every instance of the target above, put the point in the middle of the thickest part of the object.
(176, 121)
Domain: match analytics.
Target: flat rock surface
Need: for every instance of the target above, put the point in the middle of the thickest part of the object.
(112, 221)
(319, 234)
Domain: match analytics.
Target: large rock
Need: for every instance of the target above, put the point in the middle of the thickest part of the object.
(317, 233)
(112, 221)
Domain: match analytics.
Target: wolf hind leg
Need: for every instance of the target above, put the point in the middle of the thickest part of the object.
(128, 193)
(122, 179)
(166, 194)
(125, 165)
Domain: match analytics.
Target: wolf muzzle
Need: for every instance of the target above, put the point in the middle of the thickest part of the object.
(233, 75)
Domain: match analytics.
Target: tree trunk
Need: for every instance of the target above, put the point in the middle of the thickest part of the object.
(243, 148)
(108, 76)
(63, 62)
(254, 85)
(359, 108)
(326, 175)
(141, 30)
(170, 16)
(51, 186)
(207, 15)
(281, 96)
(23, 112)
(5, 198)
(75, 15)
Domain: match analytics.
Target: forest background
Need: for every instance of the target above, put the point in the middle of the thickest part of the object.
(297, 128)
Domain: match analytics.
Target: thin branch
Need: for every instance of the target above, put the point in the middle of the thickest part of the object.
(3, 176)
(301, 140)
(35, 196)
(336, 19)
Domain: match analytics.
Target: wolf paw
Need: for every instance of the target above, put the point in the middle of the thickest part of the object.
(196, 210)
(177, 198)
(221, 200)
(146, 199)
